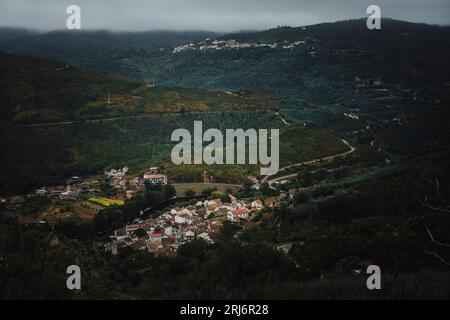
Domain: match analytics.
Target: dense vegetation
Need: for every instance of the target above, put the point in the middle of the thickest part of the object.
(410, 59)
(383, 222)
(36, 91)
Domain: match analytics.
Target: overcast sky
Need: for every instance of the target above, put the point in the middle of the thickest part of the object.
(214, 15)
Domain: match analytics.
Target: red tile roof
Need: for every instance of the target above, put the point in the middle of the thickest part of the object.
(239, 211)
(155, 176)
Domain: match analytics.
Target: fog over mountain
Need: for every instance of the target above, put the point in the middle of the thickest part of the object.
(214, 15)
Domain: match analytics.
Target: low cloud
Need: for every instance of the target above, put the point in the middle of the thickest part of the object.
(214, 15)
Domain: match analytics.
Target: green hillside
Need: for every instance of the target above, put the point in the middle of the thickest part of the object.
(50, 90)
(35, 91)
(393, 73)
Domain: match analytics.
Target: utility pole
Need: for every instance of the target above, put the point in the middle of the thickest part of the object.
(34, 102)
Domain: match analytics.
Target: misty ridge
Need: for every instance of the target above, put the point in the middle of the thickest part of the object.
(71, 45)
(212, 15)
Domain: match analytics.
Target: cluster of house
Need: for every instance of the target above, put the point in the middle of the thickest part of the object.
(166, 233)
(118, 180)
(209, 44)
(256, 184)
(78, 188)
(235, 210)
(75, 188)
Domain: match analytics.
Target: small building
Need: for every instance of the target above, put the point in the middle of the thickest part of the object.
(257, 204)
(168, 230)
(237, 215)
(205, 236)
(213, 205)
(41, 192)
(156, 179)
(189, 235)
(156, 237)
(179, 219)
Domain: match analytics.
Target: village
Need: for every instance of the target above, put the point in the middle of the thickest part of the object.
(232, 44)
(124, 188)
(203, 218)
(82, 197)
(163, 235)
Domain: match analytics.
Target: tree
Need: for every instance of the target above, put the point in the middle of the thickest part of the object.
(225, 197)
(267, 191)
(305, 178)
(228, 231)
(207, 192)
(141, 233)
(75, 228)
(108, 219)
(216, 194)
(169, 191)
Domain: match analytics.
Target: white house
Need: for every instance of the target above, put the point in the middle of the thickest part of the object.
(205, 236)
(168, 231)
(199, 204)
(180, 219)
(257, 204)
(41, 192)
(190, 235)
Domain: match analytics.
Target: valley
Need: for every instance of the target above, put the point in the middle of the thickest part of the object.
(363, 179)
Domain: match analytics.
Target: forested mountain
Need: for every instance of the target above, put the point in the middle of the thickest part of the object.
(76, 46)
(47, 89)
(320, 72)
(399, 52)
(34, 90)
(58, 120)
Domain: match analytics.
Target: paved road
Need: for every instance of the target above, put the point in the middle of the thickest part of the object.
(340, 155)
(272, 181)
(282, 119)
(63, 123)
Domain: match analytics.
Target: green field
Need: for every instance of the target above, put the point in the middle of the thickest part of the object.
(106, 202)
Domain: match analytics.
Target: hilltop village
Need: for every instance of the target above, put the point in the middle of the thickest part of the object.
(232, 44)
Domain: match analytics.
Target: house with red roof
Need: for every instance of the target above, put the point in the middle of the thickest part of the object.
(156, 237)
(237, 215)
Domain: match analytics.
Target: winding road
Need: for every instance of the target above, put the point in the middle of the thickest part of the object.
(340, 155)
(282, 119)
